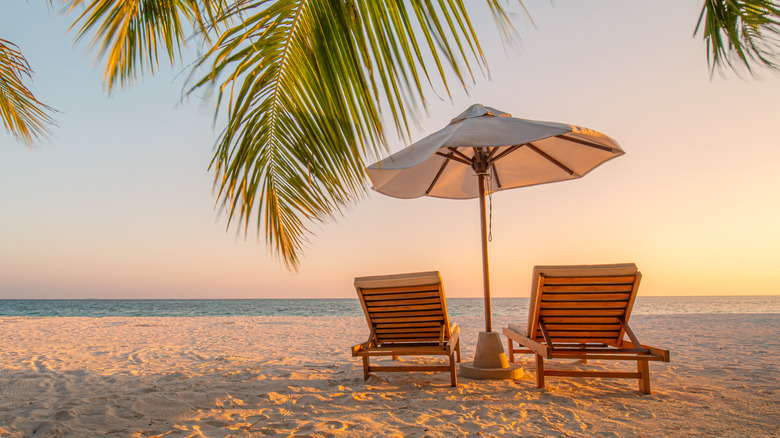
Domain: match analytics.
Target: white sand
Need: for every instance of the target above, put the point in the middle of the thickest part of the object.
(274, 376)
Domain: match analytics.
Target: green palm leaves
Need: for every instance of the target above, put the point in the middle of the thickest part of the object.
(23, 115)
(302, 81)
(130, 34)
(741, 33)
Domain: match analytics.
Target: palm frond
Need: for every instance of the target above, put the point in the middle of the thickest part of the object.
(131, 34)
(741, 34)
(24, 116)
(303, 83)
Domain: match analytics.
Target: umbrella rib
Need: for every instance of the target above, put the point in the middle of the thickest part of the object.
(453, 157)
(495, 175)
(508, 150)
(587, 143)
(460, 154)
(550, 159)
(438, 174)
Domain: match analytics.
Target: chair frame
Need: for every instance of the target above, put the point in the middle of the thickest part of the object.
(593, 325)
(407, 316)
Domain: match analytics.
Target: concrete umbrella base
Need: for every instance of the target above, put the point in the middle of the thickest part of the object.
(490, 361)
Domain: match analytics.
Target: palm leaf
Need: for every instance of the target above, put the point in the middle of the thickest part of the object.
(23, 115)
(131, 34)
(741, 33)
(303, 82)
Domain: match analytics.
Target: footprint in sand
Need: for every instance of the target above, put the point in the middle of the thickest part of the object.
(135, 357)
(62, 415)
(37, 362)
(330, 426)
(193, 355)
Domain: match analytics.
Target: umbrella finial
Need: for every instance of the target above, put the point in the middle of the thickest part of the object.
(479, 110)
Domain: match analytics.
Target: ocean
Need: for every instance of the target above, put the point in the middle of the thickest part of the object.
(351, 307)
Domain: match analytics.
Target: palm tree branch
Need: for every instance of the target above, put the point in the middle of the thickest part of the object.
(130, 34)
(741, 34)
(24, 116)
(301, 81)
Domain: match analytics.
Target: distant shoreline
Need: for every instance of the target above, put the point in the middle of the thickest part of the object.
(305, 307)
(347, 298)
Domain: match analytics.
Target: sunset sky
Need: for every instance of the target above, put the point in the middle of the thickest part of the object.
(119, 204)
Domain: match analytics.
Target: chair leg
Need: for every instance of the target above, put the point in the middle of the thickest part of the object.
(539, 371)
(453, 374)
(584, 360)
(511, 352)
(643, 367)
(457, 349)
(366, 368)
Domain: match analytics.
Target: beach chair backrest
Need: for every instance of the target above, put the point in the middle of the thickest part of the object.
(405, 308)
(582, 303)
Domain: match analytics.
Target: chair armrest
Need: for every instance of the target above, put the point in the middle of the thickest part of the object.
(357, 348)
(659, 352)
(655, 351)
(517, 328)
(454, 336)
(537, 347)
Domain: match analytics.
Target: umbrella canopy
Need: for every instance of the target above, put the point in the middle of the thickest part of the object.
(484, 145)
(513, 152)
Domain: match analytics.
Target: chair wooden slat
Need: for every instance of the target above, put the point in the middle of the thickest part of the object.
(591, 312)
(400, 290)
(593, 327)
(625, 279)
(588, 296)
(581, 319)
(411, 307)
(406, 329)
(589, 305)
(604, 340)
(406, 302)
(407, 337)
(401, 296)
(588, 288)
(585, 334)
(404, 323)
(406, 319)
(409, 314)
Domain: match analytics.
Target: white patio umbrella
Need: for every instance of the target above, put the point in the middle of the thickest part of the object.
(486, 150)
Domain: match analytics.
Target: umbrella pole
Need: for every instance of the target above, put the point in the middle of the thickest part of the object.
(485, 270)
(490, 361)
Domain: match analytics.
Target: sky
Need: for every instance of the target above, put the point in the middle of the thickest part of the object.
(120, 203)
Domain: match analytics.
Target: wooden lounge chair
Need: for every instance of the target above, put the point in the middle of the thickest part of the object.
(581, 312)
(407, 316)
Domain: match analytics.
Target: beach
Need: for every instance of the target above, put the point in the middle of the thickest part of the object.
(294, 376)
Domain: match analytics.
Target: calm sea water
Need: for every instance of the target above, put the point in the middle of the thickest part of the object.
(351, 307)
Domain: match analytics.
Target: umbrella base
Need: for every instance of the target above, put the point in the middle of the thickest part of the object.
(513, 372)
(490, 361)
